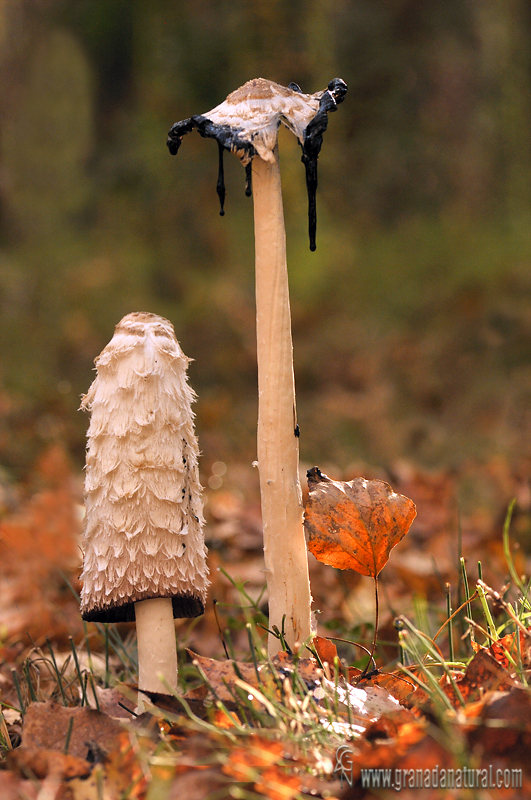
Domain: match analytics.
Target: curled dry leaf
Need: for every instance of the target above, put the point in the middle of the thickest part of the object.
(355, 524)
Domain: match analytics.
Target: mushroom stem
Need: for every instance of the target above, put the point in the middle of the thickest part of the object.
(157, 647)
(278, 444)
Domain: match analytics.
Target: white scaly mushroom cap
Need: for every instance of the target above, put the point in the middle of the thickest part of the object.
(143, 533)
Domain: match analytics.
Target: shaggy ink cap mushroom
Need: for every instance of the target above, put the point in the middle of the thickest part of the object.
(247, 124)
(143, 536)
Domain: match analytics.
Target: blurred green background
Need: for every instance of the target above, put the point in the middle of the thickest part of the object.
(411, 321)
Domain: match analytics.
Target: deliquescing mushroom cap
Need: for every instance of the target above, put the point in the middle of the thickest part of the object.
(143, 534)
(247, 124)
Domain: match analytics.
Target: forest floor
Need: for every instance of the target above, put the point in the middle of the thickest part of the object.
(454, 722)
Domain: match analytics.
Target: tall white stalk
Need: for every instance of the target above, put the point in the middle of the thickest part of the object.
(247, 124)
(278, 445)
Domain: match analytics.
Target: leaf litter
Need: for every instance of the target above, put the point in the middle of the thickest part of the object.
(245, 723)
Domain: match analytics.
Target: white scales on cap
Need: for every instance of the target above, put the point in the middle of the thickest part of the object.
(143, 535)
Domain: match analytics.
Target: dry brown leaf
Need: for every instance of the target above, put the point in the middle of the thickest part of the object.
(307, 668)
(47, 726)
(123, 768)
(36, 543)
(355, 524)
(482, 674)
(109, 701)
(222, 675)
(224, 719)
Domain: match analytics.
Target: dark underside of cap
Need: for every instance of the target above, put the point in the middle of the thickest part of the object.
(183, 606)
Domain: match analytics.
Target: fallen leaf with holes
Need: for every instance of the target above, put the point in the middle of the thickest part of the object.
(355, 524)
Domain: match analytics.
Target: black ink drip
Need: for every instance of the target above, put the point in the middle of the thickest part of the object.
(220, 187)
(248, 179)
(176, 134)
(228, 139)
(313, 140)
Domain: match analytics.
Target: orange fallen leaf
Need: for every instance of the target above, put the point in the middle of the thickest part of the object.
(400, 687)
(508, 651)
(224, 719)
(325, 649)
(355, 524)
